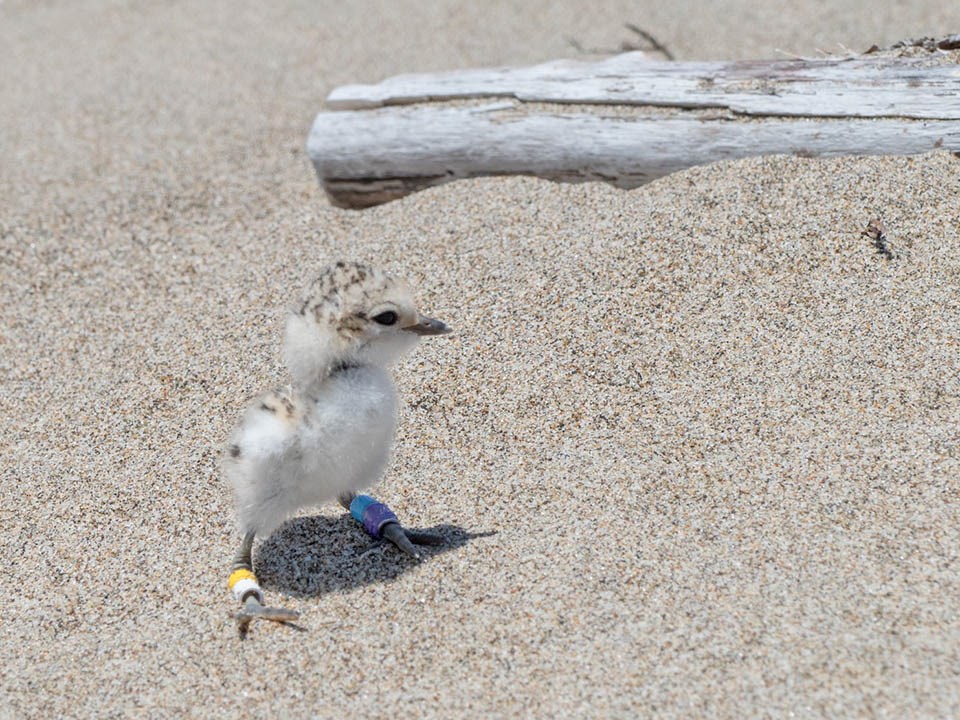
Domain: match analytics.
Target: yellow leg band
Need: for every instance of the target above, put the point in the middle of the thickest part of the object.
(238, 575)
(243, 584)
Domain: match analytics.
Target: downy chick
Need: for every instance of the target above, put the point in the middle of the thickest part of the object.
(328, 434)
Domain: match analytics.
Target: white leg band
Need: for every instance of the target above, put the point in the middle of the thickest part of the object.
(246, 585)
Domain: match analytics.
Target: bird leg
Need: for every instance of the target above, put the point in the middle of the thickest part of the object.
(380, 523)
(243, 583)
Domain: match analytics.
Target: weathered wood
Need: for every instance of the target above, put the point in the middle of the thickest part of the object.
(866, 86)
(626, 120)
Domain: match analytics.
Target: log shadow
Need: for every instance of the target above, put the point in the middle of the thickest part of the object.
(311, 556)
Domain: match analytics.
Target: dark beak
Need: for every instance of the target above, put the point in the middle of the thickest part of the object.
(429, 326)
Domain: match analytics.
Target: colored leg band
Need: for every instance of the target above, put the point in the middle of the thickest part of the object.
(371, 514)
(244, 583)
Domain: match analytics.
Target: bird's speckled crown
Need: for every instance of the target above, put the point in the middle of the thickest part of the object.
(344, 290)
(333, 324)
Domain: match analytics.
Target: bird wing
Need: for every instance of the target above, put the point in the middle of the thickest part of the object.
(268, 428)
(264, 443)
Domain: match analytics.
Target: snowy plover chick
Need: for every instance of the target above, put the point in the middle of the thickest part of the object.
(328, 434)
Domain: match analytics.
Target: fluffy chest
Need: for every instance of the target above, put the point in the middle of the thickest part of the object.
(350, 417)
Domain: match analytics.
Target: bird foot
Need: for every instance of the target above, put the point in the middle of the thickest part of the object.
(246, 589)
(254, 610)
(381, 523)
(408, 540)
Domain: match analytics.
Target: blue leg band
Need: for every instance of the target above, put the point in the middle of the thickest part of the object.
(371, 514)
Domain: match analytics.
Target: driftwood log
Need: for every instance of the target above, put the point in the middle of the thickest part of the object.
(628, 119)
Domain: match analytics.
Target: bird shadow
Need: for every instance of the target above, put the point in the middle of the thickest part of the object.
(313, 556)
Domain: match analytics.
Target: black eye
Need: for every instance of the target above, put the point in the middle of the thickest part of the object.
(389, 317)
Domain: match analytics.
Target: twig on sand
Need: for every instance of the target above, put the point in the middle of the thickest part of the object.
(652, 44)
(655, 44)
(876, 231)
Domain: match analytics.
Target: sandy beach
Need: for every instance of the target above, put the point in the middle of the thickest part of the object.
(694, 448)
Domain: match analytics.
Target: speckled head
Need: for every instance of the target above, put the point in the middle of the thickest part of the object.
(353, 313)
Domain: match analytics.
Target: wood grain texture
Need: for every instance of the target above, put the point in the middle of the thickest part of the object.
(863, 86)
(626, 120)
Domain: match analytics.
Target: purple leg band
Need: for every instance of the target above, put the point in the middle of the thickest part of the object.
(371, 514)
